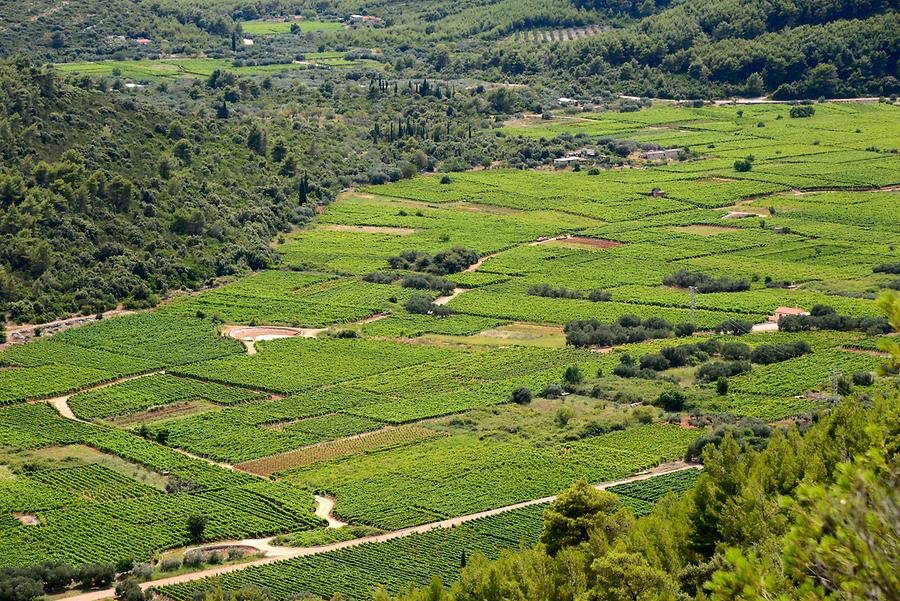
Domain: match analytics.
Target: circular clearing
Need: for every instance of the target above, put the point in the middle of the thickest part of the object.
(264, 333)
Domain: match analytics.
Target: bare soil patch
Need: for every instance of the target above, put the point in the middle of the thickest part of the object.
(700, 229)
(26, 518)
(253, 334)
(582, 241)
(371, 229)
(162, 413)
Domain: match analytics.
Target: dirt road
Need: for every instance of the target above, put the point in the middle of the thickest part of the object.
(61, 403)
(291, 552)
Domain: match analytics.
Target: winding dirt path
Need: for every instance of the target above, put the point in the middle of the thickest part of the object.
(282, 553)
(61, 403)
(443, 300)
(324, 508)
(26, 332)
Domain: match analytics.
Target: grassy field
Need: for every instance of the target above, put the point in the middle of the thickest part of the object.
(405, 416)
(264, 27)
(174, 68)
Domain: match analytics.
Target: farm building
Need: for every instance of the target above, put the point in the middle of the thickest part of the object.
(568, 102)
(567, 160)
(662, 155)
(782, 311)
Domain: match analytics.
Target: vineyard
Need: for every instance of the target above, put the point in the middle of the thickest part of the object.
(408, 412)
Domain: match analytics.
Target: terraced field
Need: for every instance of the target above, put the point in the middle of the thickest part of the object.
(427, 303)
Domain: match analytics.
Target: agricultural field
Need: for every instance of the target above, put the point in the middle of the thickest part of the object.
(176, 68)
(415, 314)
(415, 559)
(267, 27)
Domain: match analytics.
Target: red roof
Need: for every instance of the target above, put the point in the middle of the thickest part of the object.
(789, 311)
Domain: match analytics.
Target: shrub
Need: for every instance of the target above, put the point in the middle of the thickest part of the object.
(722, 386)
(682, 330)
(863, 378)
(129, 590)
(742, 165)
(549, 291)
(419, 303)
(714, 370)
(893, 268)
(597, 295)
(563, 415)
(800, 112)
(643, 414)
(381, 277)
(735, 351)
(572, 375)
(521, 395)
(427, 282)
(734, 327)
(95, 575)
(552, 391)
(142, 570)
(656, 362)
(671, 400)
(196, 525)
(170, 564)
(446, 179)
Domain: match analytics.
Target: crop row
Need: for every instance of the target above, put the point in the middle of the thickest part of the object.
(156, 390)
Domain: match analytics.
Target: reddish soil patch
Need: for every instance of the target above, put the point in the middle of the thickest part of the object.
(591, 242)
(371, 229)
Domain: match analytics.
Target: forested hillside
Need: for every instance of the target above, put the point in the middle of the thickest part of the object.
(112, 195)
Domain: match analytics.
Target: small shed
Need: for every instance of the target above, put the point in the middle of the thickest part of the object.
(782, 311)
(662, 155)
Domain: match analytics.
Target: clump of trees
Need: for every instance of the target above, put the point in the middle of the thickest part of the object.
(802, 111)
(423, 304)
(704, 283)
(596, 295)
(628, 328)
(427, 281)
(766, 354)
(887, 268)
(824, 317)
(445, 262)
(551, 292)
(714, 370)
(51, 577)
(734, 327)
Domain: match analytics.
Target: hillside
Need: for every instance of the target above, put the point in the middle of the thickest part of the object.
(408, 300)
